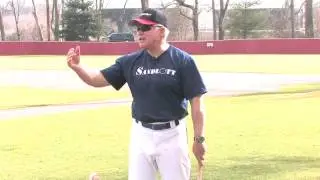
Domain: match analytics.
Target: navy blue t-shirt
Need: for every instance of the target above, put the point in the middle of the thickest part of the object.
(161, 86)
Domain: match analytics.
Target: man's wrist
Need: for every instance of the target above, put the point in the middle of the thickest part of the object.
(76, 68)
(199, 139)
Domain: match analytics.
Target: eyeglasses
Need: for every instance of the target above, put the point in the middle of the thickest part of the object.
(145, 28)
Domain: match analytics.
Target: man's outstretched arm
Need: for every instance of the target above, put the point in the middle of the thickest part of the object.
(91, 77)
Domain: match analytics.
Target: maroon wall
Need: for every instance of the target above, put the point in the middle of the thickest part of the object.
(263, 46)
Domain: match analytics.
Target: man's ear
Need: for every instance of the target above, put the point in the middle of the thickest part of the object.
(163, 32)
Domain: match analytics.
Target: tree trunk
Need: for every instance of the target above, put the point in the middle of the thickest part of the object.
(122, 18)
(194, 18)
(16, 15)
(245, 16)
(214, 22)
(48, 20)
(292, 19)
(3, 35)
(34, 13)
(195, 24)
(309, 19)
(55, 14)
(99, 14)
(195, 21)
(62, 11)
(144, 4)
(223, 9)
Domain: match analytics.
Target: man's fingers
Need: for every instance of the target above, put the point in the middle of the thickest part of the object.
(200, 159)
(71, 54)
(71, 50)
(200, 162)
(69, 57)
(77, 50)
(200, 155)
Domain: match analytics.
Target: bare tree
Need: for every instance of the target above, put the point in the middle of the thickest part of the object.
(55, 19)
(99, 4)
(34, 13)
(144, 4)
(279, 21)
(214, 20)
(223, 10)
(292, 19)
(309, 32)
(62, 11)
(195, 15)
(284, 21)
(167, 5)
(122, 17)
(48, 19)
(16, 7)
(3, 35)
(99, 13)
(179, 26)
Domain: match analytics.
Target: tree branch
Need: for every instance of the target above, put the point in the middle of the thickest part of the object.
(123, 10)
(301, 6)
(182, 3)
(224, 9)
(226, 5)
(186, 16)
(165, 6)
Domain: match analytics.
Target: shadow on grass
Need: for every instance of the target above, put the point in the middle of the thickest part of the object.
(262, 168)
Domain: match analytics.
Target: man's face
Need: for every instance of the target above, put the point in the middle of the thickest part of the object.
(148, 35)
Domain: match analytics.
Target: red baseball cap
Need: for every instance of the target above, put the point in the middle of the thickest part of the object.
(150, 17)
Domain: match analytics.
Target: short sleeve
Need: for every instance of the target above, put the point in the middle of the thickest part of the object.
(192, 82)
(114, 74)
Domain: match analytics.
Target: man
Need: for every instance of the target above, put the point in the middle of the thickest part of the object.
(162, 78)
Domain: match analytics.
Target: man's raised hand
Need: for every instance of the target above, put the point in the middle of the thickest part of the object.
(73, 57)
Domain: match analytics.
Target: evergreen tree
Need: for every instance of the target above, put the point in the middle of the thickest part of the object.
(244, 20)
(79, 21)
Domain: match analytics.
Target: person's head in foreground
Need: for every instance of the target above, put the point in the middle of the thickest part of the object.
(152, 29)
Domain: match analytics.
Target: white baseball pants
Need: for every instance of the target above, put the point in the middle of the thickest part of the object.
(164, 151)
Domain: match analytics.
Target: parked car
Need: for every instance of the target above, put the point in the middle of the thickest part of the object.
(120, 37)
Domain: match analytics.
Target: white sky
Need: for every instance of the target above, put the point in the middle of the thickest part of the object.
(156, 3)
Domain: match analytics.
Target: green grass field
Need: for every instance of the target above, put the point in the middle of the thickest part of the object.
(257, 137)
(298, 64)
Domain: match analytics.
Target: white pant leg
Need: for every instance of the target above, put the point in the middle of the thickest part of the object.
(142, 165)
(173, 153)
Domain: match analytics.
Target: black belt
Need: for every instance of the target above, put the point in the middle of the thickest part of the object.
(165, 125)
